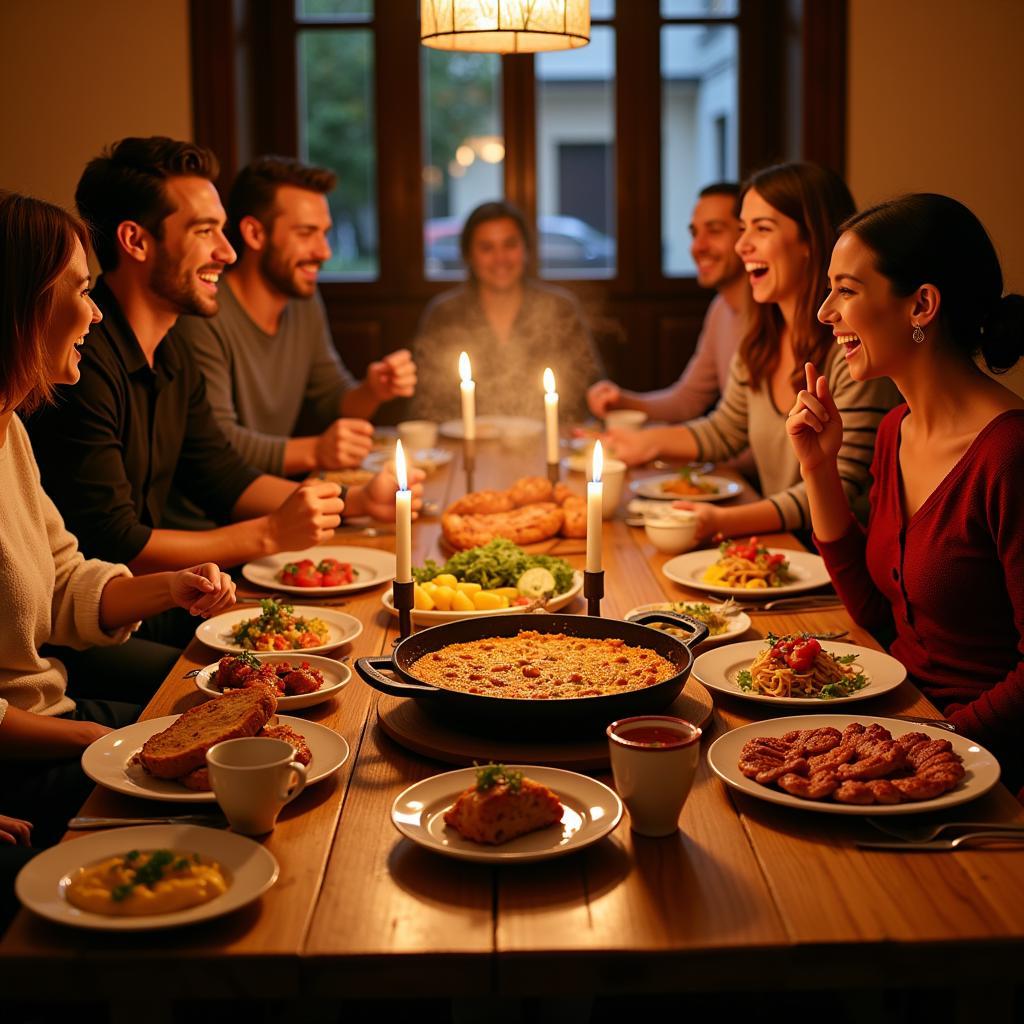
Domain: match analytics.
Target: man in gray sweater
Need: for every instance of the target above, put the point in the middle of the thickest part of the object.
(267, 355)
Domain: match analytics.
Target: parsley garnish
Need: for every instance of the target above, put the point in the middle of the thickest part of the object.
(744, 680)
(490, 775)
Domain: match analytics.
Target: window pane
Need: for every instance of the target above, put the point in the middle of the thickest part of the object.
(699, 127)
(602, 8)
(336, 130)
(576, 159)
(341, 9)
(464, 149)
(699, 8)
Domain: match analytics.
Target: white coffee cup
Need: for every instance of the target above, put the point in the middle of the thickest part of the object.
(252, 779)
(654, 761)
(416, 435)
(613, 478)
(624, 419)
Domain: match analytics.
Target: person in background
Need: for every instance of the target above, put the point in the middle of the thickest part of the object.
(916, 293)
(511, 325)
(790, 214)
(139, 422)
(49, 592)
(714, 231)
(267, 353)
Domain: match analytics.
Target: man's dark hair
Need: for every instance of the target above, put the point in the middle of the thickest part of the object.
(720, 188)
(255, 189)
(127, 182)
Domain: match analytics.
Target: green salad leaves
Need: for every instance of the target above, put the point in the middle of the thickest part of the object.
(498, 564)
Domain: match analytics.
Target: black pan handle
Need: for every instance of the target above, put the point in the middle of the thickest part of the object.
(368, 672)
(695, 627)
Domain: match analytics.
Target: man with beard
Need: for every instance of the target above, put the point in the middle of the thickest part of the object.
(267, 355)
(714, 231)
(138, 421)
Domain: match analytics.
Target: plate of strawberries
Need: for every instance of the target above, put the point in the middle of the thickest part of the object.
(324, 570)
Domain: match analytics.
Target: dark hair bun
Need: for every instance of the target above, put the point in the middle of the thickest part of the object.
(1002, 333)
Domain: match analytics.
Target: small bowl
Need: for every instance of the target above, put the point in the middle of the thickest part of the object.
(624, 419)
(417, 435)
(672, 532)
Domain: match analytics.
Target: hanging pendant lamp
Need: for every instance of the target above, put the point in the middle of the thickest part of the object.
(504, 26)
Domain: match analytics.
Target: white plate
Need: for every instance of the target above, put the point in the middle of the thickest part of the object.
(592, 810)
(491, 428)
(105, 760)
(40, 883)
(341, 628)
(739, 622)
(335, 676)
(719, 669)
(808, 572)
(650, 487)
(435, 617)
(371, 566)
(724, 755)
(427, 459)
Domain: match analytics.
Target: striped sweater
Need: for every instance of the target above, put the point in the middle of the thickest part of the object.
(748, 417)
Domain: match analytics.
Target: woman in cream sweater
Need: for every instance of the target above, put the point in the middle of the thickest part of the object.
(50, 593)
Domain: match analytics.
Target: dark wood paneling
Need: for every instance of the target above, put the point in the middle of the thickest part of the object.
(215, 115)
(824, 82)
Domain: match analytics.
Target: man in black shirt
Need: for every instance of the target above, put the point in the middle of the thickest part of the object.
(138, 420)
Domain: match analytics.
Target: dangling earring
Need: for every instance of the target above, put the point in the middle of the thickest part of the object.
(918, 334)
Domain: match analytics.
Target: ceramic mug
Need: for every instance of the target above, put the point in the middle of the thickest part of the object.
(252, 779)
(654, 762)
(417, 435)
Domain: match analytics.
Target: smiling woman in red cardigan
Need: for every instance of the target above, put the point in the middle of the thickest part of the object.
(916, 293)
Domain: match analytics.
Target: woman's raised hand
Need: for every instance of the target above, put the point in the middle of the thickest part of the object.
(814, 425)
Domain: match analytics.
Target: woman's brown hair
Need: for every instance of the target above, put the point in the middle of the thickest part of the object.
(37, 241)
(819, 201)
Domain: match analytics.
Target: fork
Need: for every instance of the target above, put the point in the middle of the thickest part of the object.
(918, 835)
(211, 820)
(970, 839)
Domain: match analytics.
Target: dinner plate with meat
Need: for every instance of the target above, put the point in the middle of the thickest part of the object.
(115, 759)
(685, 486)
(846, 764)
(440, 813)
(300, 680)
(322, 571)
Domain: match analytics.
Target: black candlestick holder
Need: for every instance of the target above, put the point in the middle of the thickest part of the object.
(554, 472)
(469, 461)
(403, 596)
(593, 590)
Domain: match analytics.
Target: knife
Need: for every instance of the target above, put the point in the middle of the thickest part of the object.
(212, 820)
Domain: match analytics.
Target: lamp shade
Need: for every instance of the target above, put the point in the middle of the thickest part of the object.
(505, 26)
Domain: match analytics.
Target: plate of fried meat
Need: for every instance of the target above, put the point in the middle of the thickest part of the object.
(844, 764)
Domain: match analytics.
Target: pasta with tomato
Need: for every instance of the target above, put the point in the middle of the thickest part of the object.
(797, 666)
(748, 565)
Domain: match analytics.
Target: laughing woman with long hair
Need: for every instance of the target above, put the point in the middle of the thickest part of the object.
(50, 593)
(790, 214)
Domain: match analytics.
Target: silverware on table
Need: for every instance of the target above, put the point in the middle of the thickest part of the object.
(794, 604)
(970, 839)
(926, 834)
(211, 820)
(937, 723)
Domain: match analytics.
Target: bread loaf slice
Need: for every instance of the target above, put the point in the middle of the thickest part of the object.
(182, 747)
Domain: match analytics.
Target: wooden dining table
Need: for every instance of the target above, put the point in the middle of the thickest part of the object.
(747, 895)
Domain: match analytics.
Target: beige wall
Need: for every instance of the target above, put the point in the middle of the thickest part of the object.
(936, 104)
(75, 76)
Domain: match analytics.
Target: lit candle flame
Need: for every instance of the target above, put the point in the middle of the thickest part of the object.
(400, 472)
(465, 370)
(549, 381)
(598, 462)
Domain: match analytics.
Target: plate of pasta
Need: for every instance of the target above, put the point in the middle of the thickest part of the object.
(748, 568)
(797, 670)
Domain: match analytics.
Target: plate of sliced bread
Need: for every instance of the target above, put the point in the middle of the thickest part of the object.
(165, 758)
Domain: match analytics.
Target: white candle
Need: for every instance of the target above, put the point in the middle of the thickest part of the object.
(468, 398)
(594, 502)
(403, 519)
(551, 415)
